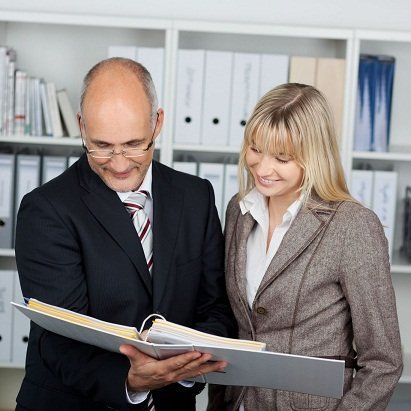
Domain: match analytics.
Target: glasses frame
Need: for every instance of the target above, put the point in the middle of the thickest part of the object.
(112, 153)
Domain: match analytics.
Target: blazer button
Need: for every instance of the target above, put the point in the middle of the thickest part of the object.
(261, 310)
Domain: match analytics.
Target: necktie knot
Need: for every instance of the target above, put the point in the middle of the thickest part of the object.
(136, 201)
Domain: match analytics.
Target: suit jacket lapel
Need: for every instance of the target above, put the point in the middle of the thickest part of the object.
(245, 224)
(304, 229)
(106, 206)
(167, 211)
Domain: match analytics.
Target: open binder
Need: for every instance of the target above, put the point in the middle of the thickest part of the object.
(248, 363)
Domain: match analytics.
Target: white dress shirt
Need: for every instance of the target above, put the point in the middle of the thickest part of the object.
(132, 396)
(258, 259)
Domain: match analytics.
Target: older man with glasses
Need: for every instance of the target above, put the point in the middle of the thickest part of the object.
(119, 236)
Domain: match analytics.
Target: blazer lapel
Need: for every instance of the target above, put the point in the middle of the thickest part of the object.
(245, 224)
(167, 211)
(107, 208)
(304, 229)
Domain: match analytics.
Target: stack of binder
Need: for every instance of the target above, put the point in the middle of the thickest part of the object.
(374, 98)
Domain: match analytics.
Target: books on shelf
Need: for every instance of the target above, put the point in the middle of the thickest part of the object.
(373, 105)
(248, 362)
(67, 113)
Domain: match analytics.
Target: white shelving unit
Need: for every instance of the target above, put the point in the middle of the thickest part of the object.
(76, 42)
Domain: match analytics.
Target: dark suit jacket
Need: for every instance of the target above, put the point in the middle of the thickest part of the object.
(76, 248)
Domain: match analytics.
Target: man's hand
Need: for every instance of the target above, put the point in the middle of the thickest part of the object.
(147, 373)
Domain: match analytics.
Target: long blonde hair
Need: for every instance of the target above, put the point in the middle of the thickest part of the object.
(295, 120)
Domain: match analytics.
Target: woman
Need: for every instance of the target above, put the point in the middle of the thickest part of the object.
(307, 266)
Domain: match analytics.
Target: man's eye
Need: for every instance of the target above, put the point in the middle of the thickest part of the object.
(133, 144)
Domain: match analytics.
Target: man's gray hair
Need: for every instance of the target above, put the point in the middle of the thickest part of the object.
(134, 67)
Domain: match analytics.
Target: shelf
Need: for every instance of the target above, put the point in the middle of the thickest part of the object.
(400, 265)
(11, 365)
(7, 252)
(406, 372)
(206, 149)
(388, 156)
(53, 141)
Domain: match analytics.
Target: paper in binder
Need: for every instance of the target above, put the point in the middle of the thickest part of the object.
(246, 72)
(384, 202)
(303, 70)
(152, 58)
(361, 186)
(52, 167)
(214, 172)
(188, 167)
(6, 295)
(217, 98)
(6, 199)
(190, 76)
(40, 89)
(21, 327)
(273, 71)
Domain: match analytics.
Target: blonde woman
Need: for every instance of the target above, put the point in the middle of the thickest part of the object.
(307, 266)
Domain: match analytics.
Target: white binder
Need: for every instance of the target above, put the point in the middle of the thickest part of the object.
(190, 74)
(384, 201)
(152, 58)
(217, 97)
(128, 52)
(361, 186)
(21, 327)
(188, 167)
(53, 166)
(6, 295)
(230, 184)
(245, 88)
(56, 125)
(71, 160)
(214, 173)
(273, 72)
(27, 176)
(6, 200)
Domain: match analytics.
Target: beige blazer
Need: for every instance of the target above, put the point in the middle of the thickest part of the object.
(328, 284)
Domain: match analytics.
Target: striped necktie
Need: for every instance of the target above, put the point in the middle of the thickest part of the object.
(134, 204)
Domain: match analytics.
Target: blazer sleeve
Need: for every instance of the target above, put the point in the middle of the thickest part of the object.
(49, 263)
(213, 311)
(366, 282)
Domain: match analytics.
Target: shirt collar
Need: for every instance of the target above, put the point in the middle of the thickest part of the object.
(145, 185)
(255, 203)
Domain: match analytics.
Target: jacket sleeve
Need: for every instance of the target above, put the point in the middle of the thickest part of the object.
(49, 263)
(366, 282)
(213, 312)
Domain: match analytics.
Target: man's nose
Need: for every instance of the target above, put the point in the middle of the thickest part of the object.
(118, 161)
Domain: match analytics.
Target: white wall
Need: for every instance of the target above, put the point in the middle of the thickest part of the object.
(376, 14)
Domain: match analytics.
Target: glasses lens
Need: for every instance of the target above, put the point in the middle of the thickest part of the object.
(134, 152)
(101, 154)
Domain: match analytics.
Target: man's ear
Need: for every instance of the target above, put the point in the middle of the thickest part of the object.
(160, 122)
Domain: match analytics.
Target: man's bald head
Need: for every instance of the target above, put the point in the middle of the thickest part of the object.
(119, 65)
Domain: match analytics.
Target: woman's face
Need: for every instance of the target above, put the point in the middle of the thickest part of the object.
(274, 176)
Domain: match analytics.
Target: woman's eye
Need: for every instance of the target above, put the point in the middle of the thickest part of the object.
(254, 149)
(282, 160)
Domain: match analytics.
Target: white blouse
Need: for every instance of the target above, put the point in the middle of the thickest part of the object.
(258, 259)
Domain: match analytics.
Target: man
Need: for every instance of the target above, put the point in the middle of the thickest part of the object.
(78, 247)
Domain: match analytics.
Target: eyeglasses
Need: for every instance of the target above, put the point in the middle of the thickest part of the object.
(126, 152)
